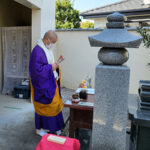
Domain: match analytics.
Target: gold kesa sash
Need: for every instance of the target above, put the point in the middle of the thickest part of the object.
(48, 110)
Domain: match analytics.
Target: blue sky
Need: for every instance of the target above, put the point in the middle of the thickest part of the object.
(83, 5)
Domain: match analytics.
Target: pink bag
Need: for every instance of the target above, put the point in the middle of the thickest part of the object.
(70, 144)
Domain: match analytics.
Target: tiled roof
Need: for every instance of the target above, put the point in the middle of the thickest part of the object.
(118, 6)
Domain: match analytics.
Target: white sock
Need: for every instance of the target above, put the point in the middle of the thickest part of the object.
(45, 130)
(41, 132)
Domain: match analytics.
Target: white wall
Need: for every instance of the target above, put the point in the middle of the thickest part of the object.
(146, 1)
(47, 16)
(100, 22)
(33, 4)
(36, 3)
(81, 59)
(36, 26)
(43, 20)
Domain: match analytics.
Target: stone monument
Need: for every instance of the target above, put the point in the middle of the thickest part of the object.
(112, 84)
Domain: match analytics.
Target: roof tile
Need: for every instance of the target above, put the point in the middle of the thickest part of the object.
(119, 6)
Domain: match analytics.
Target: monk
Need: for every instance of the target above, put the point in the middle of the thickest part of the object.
(45, 86)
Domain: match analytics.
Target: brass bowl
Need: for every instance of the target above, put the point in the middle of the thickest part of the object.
(75, 96)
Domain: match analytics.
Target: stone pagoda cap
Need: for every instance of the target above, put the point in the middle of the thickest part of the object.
(115, 35)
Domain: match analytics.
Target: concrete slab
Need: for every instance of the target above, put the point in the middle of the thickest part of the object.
(17, 129)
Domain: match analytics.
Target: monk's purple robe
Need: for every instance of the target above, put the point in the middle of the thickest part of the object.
(44, 84)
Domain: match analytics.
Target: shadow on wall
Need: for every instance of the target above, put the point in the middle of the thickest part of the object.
(9, 11)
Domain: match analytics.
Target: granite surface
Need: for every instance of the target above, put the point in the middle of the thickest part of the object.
(113, 56)
(115, 38)
(110, 108)
(116, 17)
(115, 35)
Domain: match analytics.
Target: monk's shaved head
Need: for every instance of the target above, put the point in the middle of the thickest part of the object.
(50, 35)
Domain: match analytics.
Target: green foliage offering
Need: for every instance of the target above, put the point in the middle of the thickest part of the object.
(145, 35)
(66, 16)
(86, 24)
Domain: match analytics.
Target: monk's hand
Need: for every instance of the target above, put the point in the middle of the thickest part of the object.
(57, 64)
(54, 66)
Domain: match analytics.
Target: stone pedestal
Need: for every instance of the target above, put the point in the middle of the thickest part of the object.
(110, 107)
(112, 84)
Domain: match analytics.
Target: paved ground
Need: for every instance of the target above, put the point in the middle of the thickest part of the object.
(17, 131)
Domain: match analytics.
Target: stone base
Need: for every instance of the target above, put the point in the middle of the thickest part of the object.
(110, 107)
